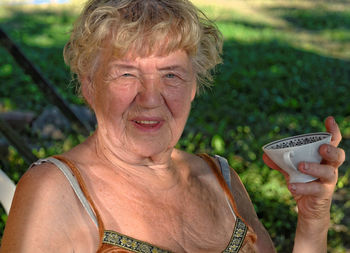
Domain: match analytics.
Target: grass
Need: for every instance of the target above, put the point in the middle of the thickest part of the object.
(286, 67)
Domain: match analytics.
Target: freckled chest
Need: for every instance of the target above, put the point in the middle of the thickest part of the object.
(194, 218)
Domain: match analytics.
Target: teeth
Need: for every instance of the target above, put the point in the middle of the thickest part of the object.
(149, 122)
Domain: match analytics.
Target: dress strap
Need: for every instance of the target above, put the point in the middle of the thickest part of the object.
(226, 186)
(222, 182)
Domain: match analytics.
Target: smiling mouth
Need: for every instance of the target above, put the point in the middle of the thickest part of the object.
(147, 124)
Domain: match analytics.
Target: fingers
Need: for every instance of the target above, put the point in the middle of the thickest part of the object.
(332, 155)
(326, 173)
(314, 189)
(274, 166)
(327, 178)
(332, 127)
(269, 162)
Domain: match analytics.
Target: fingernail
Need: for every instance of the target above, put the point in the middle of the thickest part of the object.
(305, 166)
(292, 187)
(328, 149)
(333, 121)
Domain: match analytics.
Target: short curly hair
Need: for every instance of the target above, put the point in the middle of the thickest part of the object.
(144, 27)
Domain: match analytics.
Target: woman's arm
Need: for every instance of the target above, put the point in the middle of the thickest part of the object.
(314, 198)
(44, 214)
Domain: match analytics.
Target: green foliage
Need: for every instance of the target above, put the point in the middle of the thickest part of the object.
(3, 219)
(218, 144)
(270, 86)
(316, 19)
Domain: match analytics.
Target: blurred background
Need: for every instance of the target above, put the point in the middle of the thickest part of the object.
(286, 68)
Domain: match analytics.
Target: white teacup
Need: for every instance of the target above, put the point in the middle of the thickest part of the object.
(289, 152)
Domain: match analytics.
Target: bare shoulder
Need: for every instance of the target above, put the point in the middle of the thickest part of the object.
(197, 165)
(43, 214)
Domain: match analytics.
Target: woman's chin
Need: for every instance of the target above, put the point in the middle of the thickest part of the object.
(151, 151)
(150, 146)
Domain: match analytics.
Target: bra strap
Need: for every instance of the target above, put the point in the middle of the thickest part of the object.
(75, 179)
(225, 171)
(73, 182)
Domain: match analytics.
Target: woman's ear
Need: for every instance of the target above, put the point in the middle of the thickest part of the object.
(194, 91)
(87, 91)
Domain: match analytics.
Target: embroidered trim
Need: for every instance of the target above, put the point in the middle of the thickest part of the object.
(134, 245)
(237, 238)
(129, 243)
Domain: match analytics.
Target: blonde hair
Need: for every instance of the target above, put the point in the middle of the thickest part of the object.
(143, 27)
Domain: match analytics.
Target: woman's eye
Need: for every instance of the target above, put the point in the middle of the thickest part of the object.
(170, 75)
(126, 75)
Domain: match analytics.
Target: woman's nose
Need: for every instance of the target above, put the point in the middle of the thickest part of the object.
(149, 95)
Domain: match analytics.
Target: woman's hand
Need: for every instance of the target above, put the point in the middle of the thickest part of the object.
(314, 198)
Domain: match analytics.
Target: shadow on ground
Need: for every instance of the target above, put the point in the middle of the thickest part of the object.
(314, 19)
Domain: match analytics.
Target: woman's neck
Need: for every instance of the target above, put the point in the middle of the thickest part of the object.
(157, 172)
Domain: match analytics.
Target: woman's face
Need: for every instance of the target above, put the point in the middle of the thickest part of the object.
(142, 104)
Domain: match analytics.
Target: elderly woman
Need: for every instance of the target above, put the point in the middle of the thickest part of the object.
(126, 188)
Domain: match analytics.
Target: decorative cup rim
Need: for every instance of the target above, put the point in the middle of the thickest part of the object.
(266, 146)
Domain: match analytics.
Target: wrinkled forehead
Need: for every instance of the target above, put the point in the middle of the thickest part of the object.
(158, 43)
(153, 61)
(144, 47)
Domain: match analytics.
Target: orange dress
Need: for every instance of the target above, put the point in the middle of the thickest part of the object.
(242, 239)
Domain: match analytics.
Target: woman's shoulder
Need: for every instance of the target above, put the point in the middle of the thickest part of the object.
(43, 180)
(196, 164)
(41, 211)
